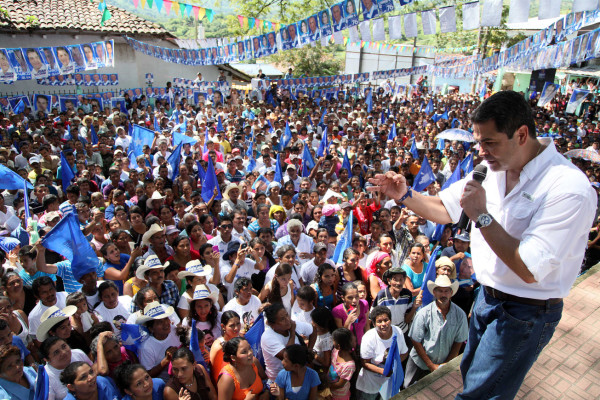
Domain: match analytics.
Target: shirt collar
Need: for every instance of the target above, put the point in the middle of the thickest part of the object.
(534, 167)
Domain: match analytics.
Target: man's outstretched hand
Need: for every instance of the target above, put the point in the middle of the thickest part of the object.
(391, 184)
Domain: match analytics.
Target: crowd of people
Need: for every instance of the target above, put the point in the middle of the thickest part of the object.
(184, 267)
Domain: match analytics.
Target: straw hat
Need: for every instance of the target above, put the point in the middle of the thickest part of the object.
(154, 229)
(442, 281)
(195, 268)
(229, 188)
(202, 292)
(152, 262)
(154, 311)
(52, 317)
(155, 196)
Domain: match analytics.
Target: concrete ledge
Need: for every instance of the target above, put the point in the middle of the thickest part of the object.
(454, 365)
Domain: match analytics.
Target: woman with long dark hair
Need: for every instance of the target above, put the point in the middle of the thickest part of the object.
(188, 377)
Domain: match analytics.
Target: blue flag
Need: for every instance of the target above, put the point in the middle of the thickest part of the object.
(140, 137)
(253, 337)
(42, 384)
(9, 179)
(182, 138)
(436, 117)
(322, 121)
(271, 129)
(429, 108)
(382, 117)
(66, 173)
(210, 183)
(278, 172)
(369, 101)
(261, 178)
(413, 148)
(132, 160)
(466, 165)
(323, 146)
(220, 125)
(455, 177)
(201, 172)
(437, 234)
(95, 139)
(346, 164)
(132, 336)
(287, 136)
(393, 135)
(67, 240)
(26, 203)
(445, 115)
(430, 276)
(307, 158)
(441, 145)
(393, 363)
(205, 149)
(344, 242)
(20, 107)
(195, 345)
(424, 178)
(175, 159)
(156, 124)
(455, 123)
(483, 91)
(8, 243)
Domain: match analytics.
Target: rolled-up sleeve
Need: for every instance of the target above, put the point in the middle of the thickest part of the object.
(548, 242)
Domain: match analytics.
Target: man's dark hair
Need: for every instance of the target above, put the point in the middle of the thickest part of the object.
(41, 281)
(73, 189)
(49, 199)
(509, 110)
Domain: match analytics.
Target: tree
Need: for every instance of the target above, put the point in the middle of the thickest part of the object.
(310, 61)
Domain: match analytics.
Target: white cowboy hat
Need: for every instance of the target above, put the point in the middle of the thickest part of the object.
(155, 196)
(154, 311)
(442, 281)
(52, 317)
(154, 229)
(195, 268)
(202, 292)
(152, 262)
(330, 193)
(230, 187)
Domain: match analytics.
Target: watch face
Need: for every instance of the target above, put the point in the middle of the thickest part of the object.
(485, 220)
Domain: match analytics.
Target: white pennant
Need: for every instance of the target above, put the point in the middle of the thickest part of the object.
(429, 22)
(378, 30)
(324, 40)
(353, 34)
(492, 13)
(471, 16)
(365, 31)
(410, 25)
(584, 5)
(395, 27)
(338, 38)
(448, 19)
(549, 9)
(518, 11)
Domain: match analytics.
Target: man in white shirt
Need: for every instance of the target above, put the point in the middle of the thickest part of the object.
(532, 214)
(44, 290)
(308, 270)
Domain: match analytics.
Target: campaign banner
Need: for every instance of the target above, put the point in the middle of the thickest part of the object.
(81, 80)
(548, 93)
(44, 62)
(576, 99)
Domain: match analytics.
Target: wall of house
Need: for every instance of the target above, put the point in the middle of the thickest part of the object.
(130, 65)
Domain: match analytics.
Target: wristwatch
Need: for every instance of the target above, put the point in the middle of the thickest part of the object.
(484, 220)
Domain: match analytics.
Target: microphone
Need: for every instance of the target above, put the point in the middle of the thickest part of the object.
(478, 175)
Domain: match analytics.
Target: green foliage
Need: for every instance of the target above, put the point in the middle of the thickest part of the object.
(4, 13)
(32, 20)
(311, 61)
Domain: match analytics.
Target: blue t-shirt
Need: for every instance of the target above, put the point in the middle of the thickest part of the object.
(124, 259)
(284, 381)
(158, 387)
(70, 283)
(28, 279)
(106, 390)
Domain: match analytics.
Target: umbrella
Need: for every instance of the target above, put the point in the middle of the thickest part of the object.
(589, 155)
(456, 134)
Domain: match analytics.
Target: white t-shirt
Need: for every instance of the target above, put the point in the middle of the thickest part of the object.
(57, 390)
(245, 270)
(184, 300)
(373, 347)
(295, 272)
(323, 343)
(248, 313)
(299, 315)
(210, 334)
(36, 314)
(285, 299)
(308, 270)
(272, 343)
(105, 314)
(153, 350)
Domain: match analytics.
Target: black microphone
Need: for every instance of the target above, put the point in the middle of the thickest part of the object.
(478, 175)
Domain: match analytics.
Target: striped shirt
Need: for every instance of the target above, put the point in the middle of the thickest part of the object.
(70, 283)
(398, 306)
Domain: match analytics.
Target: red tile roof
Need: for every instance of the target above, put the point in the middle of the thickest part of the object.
(72, 15)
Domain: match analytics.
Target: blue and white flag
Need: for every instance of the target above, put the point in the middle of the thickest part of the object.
(344, 242)
(548, 93)
(424, 178)
(576, 99)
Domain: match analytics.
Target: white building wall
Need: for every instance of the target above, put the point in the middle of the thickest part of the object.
(131, 66)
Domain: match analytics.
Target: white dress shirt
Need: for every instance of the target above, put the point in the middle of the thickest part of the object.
(550, 211)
